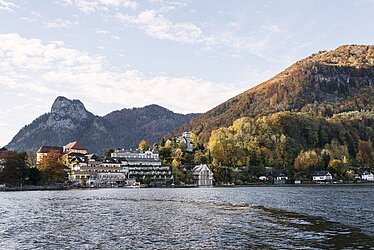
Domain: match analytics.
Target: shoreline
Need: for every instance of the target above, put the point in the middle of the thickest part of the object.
(64, 188)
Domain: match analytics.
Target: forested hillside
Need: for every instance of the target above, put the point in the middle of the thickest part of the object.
(318, 114)
(323, 84)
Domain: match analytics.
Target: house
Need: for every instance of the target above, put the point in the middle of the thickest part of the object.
(281, 178)
(367, 176)
(202, 175)
(322, 176)
(44, 150)
(186, 139)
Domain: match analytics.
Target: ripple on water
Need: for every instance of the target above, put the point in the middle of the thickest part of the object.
(168, 218)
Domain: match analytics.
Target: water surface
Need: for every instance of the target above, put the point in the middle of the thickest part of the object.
(208, 218)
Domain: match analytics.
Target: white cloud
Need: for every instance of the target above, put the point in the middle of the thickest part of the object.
(102, 32)
(157, 22)
(90, 6)
(157, 25)
(7, 6)
(115, 37)
(60, 23)
(32, 17)
(107, 33)
(28, 19)
(49, 69)
(169, 5)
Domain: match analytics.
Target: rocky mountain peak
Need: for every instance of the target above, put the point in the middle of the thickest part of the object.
(63, 107)
(65, 113)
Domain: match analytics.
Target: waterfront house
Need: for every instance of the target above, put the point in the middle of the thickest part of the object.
(322, 176)
(281, 178)
(202, 175)
(367, 176)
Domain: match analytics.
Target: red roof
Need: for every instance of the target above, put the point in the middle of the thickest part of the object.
(75, 145)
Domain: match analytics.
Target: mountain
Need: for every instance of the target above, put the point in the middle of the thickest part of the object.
(69, 120)
(323, 84)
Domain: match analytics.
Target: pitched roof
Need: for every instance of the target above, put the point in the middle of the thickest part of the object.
(197, 169)
(74, 145)
(47, 149)
(321, 173)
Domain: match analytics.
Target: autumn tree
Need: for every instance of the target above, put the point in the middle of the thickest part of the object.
(168, 144)
(200, 157)
(143, 145)
(365, 154)
(216, 145)
(306, 160)
(338, 166)
(178, 172)
(337, 151)
(175, 163)
(52, 169)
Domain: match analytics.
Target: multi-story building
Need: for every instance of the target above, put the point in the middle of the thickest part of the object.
(97, 171)
(144, 166)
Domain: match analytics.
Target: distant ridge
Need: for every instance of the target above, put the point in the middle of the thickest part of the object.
(70, 121)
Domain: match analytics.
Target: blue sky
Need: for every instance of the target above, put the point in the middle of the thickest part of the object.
(185, 55)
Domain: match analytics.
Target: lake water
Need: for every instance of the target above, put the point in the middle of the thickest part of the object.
(339, 217)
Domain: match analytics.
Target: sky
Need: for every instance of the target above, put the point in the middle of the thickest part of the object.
(185, 55)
